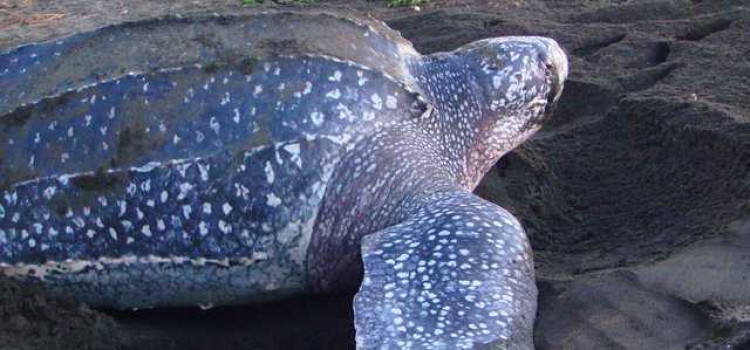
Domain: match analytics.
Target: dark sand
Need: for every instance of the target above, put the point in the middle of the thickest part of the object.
(636, 197)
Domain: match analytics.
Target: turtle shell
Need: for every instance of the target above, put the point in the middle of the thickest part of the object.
(181, 87)
(181, 140)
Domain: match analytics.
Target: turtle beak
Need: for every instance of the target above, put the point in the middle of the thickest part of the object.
(556, 63)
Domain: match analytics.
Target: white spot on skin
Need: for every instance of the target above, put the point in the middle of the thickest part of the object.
(272, 200)
(214, 125)
(362, 80)
(146, 185)
(226, 208)
(336, 76)
(184, 190)
(369, 115)
(203, 169)
(294, 150)
(224, 227)
(344, 112)
(377, 102)
(308, 88)
(49, 192)
(226, 99)
(236, 117)
(317, 118)
(334, 94)
(270, 175)
(391, 102)
(496, 81)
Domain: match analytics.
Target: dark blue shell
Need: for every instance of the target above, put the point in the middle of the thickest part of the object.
(212, 156)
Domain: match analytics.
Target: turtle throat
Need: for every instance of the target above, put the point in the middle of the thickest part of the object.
(472, 135)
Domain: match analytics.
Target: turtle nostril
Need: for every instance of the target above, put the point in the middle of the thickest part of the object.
(543, 57)
(550, 70)
(553, 80)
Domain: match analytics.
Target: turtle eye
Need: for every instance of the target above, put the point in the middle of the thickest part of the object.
(419, 107)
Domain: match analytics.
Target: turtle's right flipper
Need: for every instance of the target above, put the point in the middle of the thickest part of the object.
(457, 275)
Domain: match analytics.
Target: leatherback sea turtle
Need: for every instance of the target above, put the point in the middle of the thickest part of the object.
(224, 159)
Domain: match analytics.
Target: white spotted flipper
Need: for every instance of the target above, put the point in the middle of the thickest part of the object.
(456, 275)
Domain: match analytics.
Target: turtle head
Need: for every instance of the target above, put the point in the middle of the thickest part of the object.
(518, 79)
(515, 83)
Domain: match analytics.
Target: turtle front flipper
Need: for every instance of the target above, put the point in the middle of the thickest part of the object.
(456, 275)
